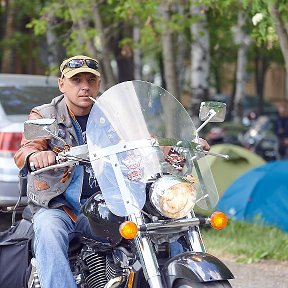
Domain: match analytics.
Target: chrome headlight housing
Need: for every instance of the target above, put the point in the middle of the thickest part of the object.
(174, 197)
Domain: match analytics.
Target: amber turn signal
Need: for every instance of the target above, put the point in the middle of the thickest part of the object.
(218, 220)
(128, 230)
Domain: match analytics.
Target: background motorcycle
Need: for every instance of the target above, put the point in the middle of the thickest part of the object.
(145, 152)
(261, 139)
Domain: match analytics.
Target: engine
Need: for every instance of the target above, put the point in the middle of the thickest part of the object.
(93, 269)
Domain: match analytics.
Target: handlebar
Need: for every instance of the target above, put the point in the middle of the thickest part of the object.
(67, 158)
(74, 156)
(69, 163)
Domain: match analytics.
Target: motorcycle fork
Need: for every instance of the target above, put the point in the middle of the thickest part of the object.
(147, 256)
(194, 237)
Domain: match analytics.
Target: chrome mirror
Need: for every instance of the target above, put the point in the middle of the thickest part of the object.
(40, 128)
(212, 110)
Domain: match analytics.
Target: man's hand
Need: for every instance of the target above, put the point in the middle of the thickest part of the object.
(41, 159)
(204, 144)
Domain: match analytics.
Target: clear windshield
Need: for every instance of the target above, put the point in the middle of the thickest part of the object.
(137, 131)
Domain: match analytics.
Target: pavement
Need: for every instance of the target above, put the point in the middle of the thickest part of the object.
(265, 274)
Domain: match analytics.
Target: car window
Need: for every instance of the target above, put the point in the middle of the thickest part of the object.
(21, 99)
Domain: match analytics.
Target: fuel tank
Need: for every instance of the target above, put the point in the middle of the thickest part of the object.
(102, 221)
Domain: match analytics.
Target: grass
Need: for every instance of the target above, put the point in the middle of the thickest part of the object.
(248, 242)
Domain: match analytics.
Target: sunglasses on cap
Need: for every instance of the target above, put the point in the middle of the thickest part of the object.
(77, 63)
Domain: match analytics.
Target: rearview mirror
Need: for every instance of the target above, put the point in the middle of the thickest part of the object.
(40, 128)
(209, 108)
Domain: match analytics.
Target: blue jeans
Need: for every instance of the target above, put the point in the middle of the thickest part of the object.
(53, 230)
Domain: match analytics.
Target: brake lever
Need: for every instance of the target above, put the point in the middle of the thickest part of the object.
(207, 152)
(225, 156)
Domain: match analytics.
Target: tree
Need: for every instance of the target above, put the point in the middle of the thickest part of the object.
(168, 49)
(18, 46)
(281, 22)
(200, 55)
(187, 42)
(106, 53)
(242, 39)
(9, 30)
(270, 26)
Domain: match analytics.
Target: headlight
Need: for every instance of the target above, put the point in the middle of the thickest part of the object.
(173, 197)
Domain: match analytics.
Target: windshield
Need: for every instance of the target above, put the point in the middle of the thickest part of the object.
(136, 131)
(17, 100)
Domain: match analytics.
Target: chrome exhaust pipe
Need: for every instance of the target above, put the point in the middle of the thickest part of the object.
(115, 282)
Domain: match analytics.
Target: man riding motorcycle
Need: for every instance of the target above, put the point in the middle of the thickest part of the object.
(56, 196)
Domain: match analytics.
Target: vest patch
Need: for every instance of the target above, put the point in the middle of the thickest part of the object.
(41, 185)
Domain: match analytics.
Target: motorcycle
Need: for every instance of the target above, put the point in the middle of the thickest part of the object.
(152, 171)
(261, 139)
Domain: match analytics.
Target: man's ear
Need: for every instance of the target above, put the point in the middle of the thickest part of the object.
(61, 85)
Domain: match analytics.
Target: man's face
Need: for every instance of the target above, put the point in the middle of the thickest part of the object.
(77, 91)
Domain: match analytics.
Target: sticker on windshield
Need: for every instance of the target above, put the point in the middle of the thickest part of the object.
(175, 159)
(135, 175)
(133, 163)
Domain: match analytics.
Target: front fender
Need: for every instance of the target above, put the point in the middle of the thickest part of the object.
(196, 266)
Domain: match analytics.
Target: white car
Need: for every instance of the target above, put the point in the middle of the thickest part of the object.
(18, 95)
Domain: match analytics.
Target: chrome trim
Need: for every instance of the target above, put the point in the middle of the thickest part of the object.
(115, 282)
(147, 256)
(194, 235)
(195, 240)
(172, 226)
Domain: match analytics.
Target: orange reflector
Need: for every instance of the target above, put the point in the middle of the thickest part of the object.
(218, 220)
(131, 279)
(128, 230)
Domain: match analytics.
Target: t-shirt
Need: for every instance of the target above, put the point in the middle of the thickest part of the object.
(90, 184)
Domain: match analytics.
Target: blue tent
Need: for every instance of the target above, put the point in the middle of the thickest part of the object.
(260, 193)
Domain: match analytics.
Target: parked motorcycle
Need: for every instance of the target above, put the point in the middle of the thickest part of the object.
(261, 139)
(152, 171)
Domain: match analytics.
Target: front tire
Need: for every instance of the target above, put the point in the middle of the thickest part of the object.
(184, 283)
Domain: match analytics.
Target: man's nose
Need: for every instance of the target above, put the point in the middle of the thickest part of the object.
(85, 85)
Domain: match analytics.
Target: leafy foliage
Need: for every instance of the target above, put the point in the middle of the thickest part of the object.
(73, 24)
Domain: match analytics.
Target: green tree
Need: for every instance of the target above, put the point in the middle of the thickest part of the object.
(270, 21)
(17, 42)
(154, 40)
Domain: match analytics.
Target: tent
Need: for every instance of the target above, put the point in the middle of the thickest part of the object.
(259, 195)
(240, 161)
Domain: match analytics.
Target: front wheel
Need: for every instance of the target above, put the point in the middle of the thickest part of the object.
(184, 283)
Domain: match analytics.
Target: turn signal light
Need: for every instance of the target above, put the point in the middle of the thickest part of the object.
(218, 220)
(131, 279)
(128, 230)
